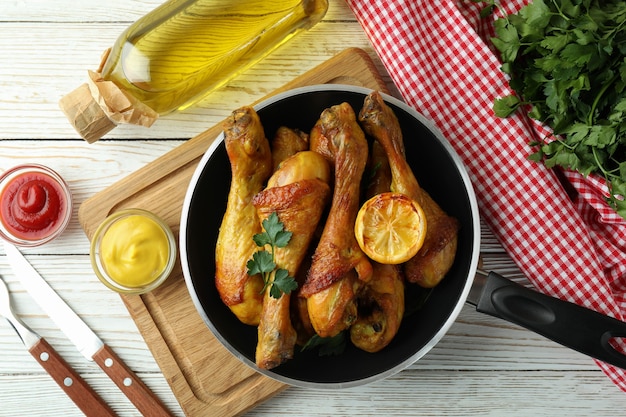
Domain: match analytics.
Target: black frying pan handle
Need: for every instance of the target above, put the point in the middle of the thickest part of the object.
(568, 324)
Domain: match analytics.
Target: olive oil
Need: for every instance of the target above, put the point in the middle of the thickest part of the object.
(184, 49)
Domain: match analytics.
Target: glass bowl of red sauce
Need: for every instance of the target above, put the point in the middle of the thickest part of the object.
(35, 205)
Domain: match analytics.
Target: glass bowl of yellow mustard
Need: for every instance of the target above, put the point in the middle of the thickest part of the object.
(133, 251)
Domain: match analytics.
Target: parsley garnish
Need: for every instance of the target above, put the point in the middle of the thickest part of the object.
(567, 65)
(263, 262)
(328, 346)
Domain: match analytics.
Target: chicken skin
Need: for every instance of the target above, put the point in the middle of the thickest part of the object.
(338, 266)
(287, 142)
(251, 165)
(297, 193)
(428, 267)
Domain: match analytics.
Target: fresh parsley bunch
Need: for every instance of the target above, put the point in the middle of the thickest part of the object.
(567, 63)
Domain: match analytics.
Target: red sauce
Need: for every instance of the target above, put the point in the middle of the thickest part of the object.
(32, 206)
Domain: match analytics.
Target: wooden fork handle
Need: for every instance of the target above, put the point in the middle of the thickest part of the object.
(74, 386)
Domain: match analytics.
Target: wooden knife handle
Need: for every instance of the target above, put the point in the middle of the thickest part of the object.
(74, 386)
(135, 390)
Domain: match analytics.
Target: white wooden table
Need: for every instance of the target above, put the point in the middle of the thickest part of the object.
(483, 366)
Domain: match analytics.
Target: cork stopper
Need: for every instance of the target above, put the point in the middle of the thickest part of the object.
(85, 114)
(99, 105)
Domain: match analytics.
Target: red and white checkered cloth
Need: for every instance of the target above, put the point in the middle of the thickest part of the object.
(440, 58)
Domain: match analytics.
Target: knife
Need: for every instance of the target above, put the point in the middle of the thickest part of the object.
(85, 398)
(85, 340)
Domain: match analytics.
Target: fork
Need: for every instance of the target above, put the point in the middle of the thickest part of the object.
(85, 398)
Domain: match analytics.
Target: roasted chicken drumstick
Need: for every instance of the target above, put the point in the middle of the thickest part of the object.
(437, 254)
(297, 193)
(338, 267)
(251, 165)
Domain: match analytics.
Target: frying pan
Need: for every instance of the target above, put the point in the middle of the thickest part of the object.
(429, 313)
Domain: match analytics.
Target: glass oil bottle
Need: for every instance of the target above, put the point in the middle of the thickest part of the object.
(176, 54)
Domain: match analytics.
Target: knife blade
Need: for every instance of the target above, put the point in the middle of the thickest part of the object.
(85, 340)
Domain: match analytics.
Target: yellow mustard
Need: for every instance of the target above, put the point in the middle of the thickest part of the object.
(134, 250)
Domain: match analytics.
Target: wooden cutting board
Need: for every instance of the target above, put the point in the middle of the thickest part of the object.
(204, 376)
